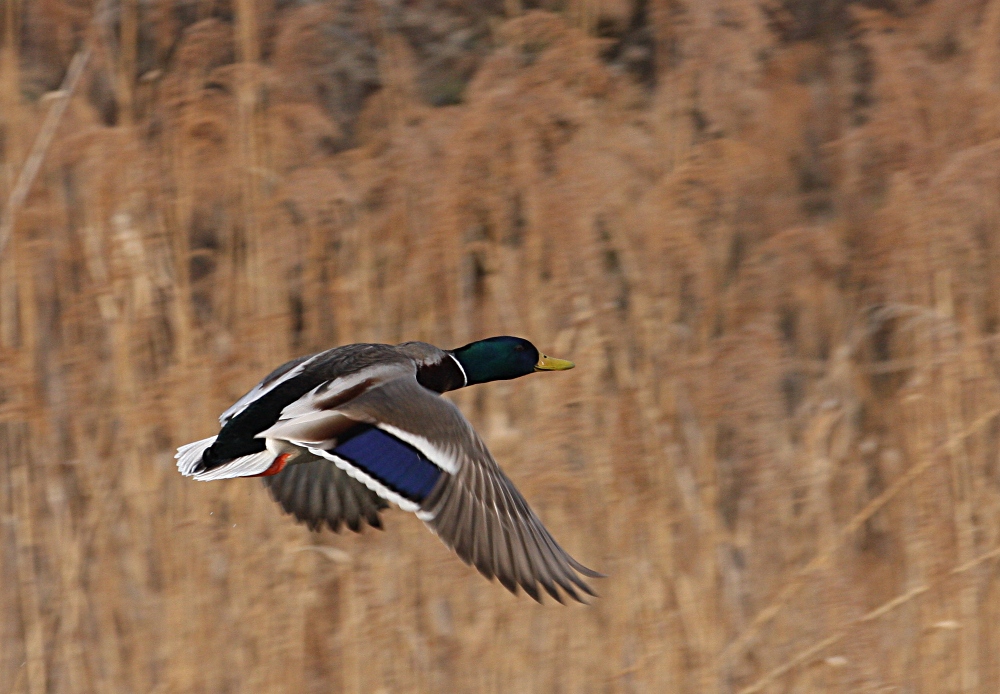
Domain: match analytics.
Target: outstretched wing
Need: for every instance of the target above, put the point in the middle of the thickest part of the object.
(316, 491)
(418, 451)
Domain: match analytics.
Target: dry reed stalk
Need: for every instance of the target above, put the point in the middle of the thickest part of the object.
(41, 144)
(126, 67)
(10, 78)
(13, 125)
(822, 559)
(253, 297)
(25, 538)
(987, 52)
(953, 375)
(875, 614)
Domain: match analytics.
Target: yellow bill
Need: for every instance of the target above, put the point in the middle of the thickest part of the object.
(552, 364)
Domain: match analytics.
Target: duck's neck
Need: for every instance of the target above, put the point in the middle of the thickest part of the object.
(443, 376)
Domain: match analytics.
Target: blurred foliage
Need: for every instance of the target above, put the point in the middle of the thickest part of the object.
(767, 232)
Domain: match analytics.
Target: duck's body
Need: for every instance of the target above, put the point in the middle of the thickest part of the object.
(338, 434)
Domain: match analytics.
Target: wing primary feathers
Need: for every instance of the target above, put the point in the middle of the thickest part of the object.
(502, 557)
(462, 520)
(583, 569)
(503, 551)
(553, 556)
(542, 570)
(532, 561)
(374, 519)
(351, 512)
(481, 533)
(546, 539)
(500, 545)
(536, 567)
(318, 493)
(486, 522)
(290, 483)
(334, 509)
(521, 573)
(300, 496)
(315, 506)
(518, 573)
(560, 573)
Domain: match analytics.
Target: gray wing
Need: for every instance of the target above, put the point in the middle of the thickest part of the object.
(474, 508)
(318, 492)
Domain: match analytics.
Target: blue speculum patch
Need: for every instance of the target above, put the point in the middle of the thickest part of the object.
(397, 465)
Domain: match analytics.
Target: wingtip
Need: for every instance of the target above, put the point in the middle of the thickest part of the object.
(588, 590)
(507, 583)
(532, 590)
(589, 573)
(553, 592)
(570, 592)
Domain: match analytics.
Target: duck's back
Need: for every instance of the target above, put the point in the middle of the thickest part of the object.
(261, 407)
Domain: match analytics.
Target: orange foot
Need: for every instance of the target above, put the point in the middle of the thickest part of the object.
(277, 466)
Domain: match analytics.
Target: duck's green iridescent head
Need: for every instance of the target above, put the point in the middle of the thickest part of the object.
(503, 358)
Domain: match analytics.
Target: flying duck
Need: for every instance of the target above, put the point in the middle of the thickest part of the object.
(337, 435)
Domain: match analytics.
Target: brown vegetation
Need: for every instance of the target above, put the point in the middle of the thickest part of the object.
(767, 232)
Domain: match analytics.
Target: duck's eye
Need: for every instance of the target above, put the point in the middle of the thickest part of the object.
(519, 348)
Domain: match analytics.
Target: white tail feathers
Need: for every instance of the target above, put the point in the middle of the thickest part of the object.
(188, 457)
(240, 467)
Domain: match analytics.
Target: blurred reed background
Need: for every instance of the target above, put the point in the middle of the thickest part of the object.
(768, 232)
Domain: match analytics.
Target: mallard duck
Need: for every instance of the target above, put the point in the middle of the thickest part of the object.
(337, 435)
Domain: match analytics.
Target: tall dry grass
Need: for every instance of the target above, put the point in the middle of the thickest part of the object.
(776, 263)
